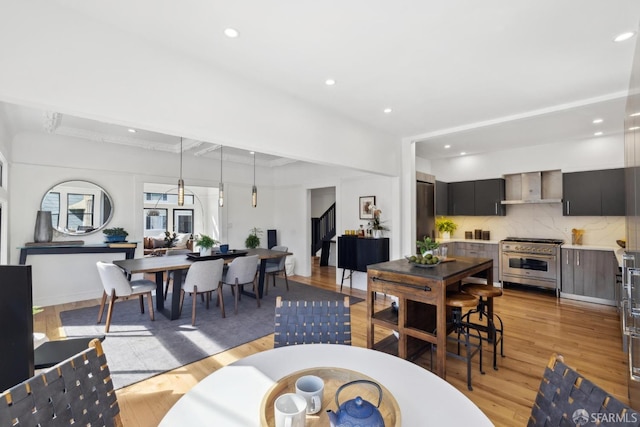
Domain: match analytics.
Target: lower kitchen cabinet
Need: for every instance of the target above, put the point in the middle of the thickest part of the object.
(589, 275)
(478, 250)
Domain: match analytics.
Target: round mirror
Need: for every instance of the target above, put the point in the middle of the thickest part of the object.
(77, 207)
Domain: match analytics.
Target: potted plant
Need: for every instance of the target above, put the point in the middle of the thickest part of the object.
(376, 225)
(253, 240)
(205, 243)
(115, 234)
(170, 239)
(446, 227)
(427, 245)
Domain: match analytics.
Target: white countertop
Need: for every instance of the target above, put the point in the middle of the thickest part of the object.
(231, 396)
(490, 242)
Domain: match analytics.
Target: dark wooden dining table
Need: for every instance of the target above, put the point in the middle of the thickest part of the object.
(179, 266)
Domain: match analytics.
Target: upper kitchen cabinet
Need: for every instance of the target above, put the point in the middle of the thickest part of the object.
(462, 198)
(594, 193)
(442, 198)
(489, 194)
(479, 198)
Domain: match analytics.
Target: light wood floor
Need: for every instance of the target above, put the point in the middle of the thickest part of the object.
(536, 325)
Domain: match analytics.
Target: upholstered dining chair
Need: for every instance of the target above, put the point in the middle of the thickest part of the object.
(173, 252)
(242, 271)
(76, 391)
(312, 322)
(116, 286)
(274, 267)
(203, 277)
(566, 398)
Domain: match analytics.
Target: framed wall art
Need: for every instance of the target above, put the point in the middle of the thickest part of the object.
(366, 207)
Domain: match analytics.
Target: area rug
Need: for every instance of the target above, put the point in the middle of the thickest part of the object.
(138, 348)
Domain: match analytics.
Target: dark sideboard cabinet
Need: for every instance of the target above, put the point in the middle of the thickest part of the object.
(356, 253)
(16, 324)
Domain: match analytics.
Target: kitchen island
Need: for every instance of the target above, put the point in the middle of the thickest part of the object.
(421, 317)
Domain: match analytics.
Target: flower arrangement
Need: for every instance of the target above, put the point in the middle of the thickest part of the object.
(376, 223)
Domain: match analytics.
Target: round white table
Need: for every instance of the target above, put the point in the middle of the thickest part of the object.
(231, 396)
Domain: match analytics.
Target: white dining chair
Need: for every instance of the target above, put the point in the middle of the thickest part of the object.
(203, 277)
(242, 271)
(274, 267)
(116, 285)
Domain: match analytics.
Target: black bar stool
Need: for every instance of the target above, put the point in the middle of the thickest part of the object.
(485, 294)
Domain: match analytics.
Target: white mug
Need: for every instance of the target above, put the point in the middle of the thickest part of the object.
(290, 410)
(311, 388)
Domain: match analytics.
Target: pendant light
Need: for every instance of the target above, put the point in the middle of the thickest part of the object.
(180, 181)
(221, 186)
(254, 189)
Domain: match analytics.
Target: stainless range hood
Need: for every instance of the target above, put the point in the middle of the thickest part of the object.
(533, 187)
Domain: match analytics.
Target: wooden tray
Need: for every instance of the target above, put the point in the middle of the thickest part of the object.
(333, 378)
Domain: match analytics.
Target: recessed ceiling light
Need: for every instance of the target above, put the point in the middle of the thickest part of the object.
(634, 128)
(596, 121)
(387, 110)
(463, 153)
(252, 152)
(132, 130)
(447, 146)
(624, 36)
(232, 33)
(597, 134)
(329, 82)
(635, 114)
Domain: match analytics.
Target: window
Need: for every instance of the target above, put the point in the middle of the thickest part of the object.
(51, 203)
(79, 210)
(183, 221)
(167, 198)
(155, 221)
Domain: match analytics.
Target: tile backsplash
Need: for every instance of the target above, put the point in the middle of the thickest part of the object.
(544, 220)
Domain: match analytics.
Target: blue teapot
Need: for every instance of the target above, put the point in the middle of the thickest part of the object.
(356, 412)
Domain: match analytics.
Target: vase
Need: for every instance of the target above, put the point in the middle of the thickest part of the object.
(377, 234)
(43, 231)
(446, 235)
(205, 251)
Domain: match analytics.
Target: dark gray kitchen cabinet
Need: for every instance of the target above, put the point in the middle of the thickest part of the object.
(442, 198)
(477, 250)
(462, 198)
(589, 273)
(594, 193)
(489, 193)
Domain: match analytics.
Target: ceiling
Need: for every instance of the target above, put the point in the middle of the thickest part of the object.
(478, 76)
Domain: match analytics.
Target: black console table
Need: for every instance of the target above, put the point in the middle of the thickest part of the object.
(129, 250)
(356, 253)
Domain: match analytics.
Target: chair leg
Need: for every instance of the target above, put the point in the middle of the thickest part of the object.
(236, 286)
(181, 301)
(221, 300)
(110, 310)
(193, 306)
(286, 280)
(102, 303)
(255, 291)
(141, 299)
(150, 303)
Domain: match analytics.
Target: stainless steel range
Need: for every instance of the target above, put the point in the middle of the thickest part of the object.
(531, 261)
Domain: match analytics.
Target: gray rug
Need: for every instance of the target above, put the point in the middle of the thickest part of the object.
(138, 348)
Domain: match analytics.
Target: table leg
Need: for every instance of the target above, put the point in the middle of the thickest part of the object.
(402, 322)
(441, 333)
(160, 291)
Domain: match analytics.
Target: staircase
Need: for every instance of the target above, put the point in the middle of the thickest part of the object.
(323, 229)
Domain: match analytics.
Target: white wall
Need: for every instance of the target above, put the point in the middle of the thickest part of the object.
(321, 200)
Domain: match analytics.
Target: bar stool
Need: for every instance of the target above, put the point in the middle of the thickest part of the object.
(485, 294)
(457, 301)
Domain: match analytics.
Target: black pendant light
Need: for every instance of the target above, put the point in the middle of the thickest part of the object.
(221, 186)
(254, 189)
(180, 181)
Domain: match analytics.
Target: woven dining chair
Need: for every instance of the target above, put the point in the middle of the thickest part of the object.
(566, 398)
(77, 391)
(312, 322)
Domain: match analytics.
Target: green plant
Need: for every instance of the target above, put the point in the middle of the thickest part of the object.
(445, 225)
(206, 242)
(36, 309)
(115, 231)
(427, 244)
(253, 240)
